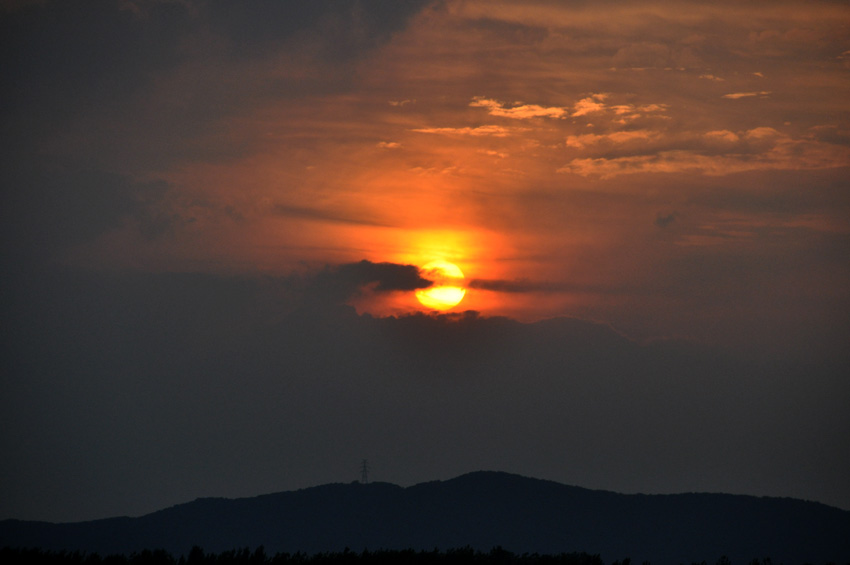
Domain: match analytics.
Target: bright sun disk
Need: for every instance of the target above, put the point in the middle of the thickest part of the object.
(447, 290)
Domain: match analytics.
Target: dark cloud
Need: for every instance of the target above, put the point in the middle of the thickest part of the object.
(666, 220)
(257, 27)
(339, 283)
(48, 208)
(116, 66)
(521, 285)
(60, 54)
(306, 213)
(63, 57)
(529, 286)
(386, 276)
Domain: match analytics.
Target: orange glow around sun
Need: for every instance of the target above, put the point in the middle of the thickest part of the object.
(453, 258)
(447, 290)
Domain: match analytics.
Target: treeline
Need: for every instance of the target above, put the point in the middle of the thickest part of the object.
(197, 556)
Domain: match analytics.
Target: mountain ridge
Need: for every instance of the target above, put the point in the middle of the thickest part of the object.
(482, 510)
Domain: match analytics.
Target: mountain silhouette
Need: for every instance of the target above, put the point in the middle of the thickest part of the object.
(480, 510)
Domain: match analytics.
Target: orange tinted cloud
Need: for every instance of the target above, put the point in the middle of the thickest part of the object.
(617, 137)
(496, 131)
(518, 111)
(737, 95)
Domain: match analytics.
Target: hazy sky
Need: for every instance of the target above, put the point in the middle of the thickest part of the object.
(213, 215)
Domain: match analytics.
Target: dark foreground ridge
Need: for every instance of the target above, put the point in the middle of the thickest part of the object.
(479, 511)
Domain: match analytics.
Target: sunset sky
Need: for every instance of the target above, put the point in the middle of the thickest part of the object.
(214, 215)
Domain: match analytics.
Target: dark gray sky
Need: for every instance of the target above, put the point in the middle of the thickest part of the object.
(214, 217)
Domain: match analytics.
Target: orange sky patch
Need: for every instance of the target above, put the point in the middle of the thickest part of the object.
(538, 144)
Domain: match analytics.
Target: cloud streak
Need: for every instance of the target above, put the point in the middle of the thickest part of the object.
(479, 131)
(739, 95)
(518, 111)
(761, 148)
(321, 215)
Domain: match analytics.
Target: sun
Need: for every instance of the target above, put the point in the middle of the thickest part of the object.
(447, 290)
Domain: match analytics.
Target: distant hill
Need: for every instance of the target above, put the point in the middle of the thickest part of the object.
(480, 510)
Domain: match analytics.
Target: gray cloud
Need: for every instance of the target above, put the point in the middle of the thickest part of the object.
(256, 27)
(666, 220)
(59, 59)
(520, 285)
(323, 215)
(387, 276)
(47, 208)
(115, 67)
(336, 284)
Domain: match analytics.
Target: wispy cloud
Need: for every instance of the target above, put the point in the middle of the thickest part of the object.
(775, 152)
(617, 137)
(589, 105)
(722, 135)
(624, 113)
(490, 130)
(519, 111)
(325, 215)
(737, 95)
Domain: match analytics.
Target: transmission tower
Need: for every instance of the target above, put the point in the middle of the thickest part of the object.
(364, 472)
